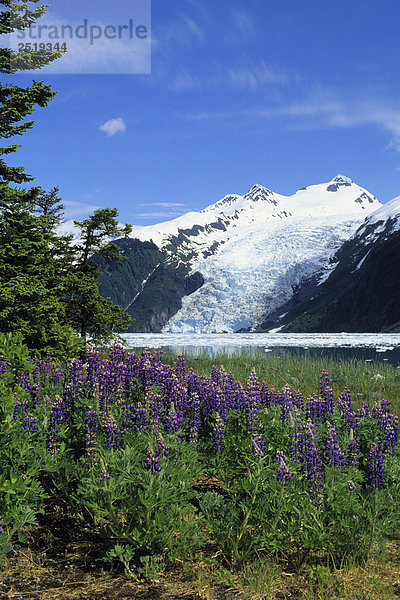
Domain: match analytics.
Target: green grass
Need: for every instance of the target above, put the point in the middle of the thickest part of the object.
(368, 381)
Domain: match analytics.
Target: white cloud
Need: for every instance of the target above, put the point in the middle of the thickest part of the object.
(166, 210)
(165, 204)
(92, 47)
(73, 209)
(244, 23)
(151, 215)
(319, 111)
(113, 126)
(240, 76)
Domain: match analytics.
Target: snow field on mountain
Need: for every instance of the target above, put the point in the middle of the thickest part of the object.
(255, 274)
(254, 250)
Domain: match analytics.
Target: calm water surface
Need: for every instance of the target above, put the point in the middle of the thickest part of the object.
(339, 346)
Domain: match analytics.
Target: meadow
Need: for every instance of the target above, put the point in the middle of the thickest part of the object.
(232, 477)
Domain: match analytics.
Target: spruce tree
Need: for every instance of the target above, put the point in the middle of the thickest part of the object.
(47, 284)
(28, 302)
(87, 311)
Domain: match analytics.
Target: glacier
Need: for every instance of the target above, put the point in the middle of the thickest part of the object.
(254, 250)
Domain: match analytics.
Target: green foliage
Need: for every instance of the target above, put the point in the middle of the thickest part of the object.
(201, 503)
(16, 354)
(20, 15)
(148, 512)
(47, 284)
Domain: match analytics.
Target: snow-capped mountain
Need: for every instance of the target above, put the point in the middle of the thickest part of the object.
(359, 289)
(253, 251)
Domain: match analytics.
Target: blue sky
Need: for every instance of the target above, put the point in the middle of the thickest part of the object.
(284, 94)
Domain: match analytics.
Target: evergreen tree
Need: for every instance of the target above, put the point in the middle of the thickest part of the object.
(47, 284)
(28, 302)
(87, 311)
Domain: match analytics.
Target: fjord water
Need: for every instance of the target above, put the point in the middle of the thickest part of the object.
(376, 347)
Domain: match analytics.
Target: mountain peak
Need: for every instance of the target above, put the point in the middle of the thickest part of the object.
(257, 187)
(338, 182)
(258, 192)
(342, 179)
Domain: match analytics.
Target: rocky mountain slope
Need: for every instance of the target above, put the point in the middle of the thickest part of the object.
(359, 290)
(229, 266)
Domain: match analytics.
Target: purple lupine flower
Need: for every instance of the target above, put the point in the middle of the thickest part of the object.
(287, 404)
(178, 395)
(311, 408)
(391, 431)
(154, 405)
(312, 461)
(93, 366)
(131, 374)
(69, 398)
(112, 435)
(365, 412)
(351, 485)
(158, 357)
(283, 473)
(76, 375)
(152, 462)
(253, 388)
(162, 446)
(375, 467)
(127, 417)
(326, 392)
(334, 454)
(253, 401)
(345, 406)
(20, 407)
(180, 369)
(140, 418)
(3, 366)
(219, 433)
(1, 525)
(265, 397)
(172, 423)
(58, 416)
(117, 354)
(34, 394)
(353, 451)
(389, 425)
(147, 371)
(30, 424)
(317, 409)
(298, 401)
(257, 443)
(25, 382)
(91, 427)
(229, 391)
(216, 375)
(297, 439)
(275, 397)
(193, 382)
(194, 418)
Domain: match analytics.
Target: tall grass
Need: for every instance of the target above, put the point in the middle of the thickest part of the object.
(368, 381)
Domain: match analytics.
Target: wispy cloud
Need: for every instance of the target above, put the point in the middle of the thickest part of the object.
(185, 28)
(166, 210)
(165, 204)
(74, 210)
(251, 76)
(158, 215)
(113, 126)
(244, 23)
(318, 113)
(95, 47)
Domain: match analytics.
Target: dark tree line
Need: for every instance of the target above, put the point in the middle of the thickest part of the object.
(48, 283)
